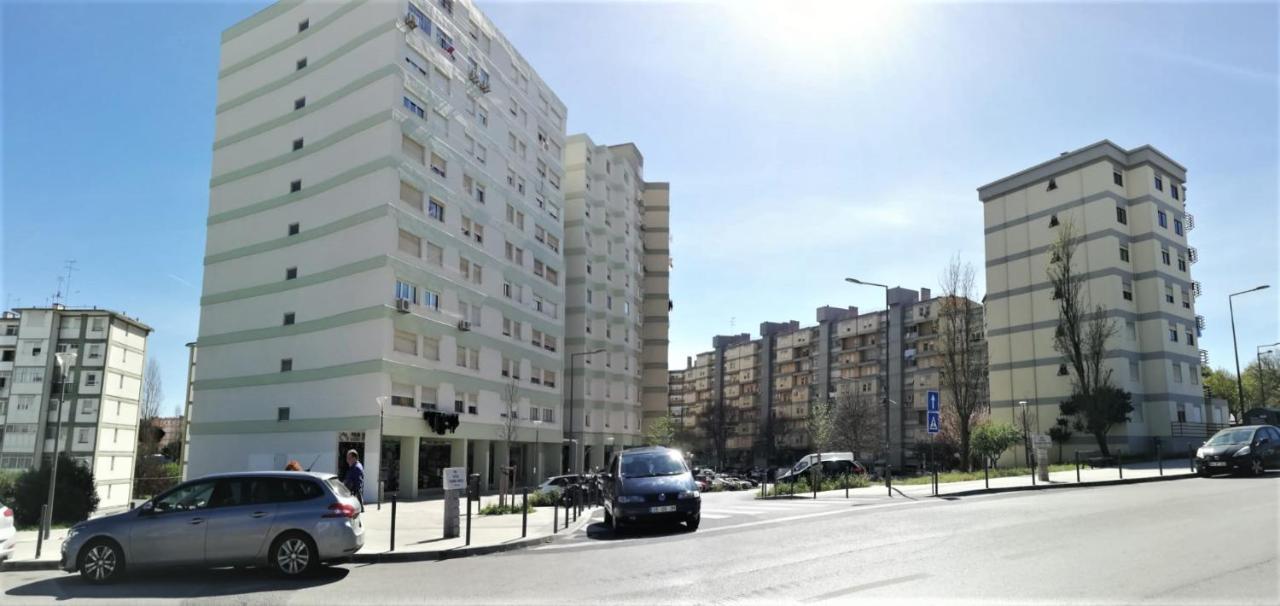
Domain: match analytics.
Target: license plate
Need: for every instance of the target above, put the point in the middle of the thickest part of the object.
(1217, 463)
(662, 509)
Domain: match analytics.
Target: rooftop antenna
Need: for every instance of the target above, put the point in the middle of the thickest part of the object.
(60, 294)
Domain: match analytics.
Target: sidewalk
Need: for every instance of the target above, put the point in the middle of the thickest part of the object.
(419, 534)
(1132, 472)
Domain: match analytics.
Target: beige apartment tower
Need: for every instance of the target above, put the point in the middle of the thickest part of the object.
(1130, 208)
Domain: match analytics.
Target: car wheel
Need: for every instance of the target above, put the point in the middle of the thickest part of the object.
(693, 521)
(608, 518)
(294, 554)
(1256, 468)
(101, 561)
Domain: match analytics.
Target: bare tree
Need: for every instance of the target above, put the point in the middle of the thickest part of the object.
(963, 355)
(856, 423)
(508, 431)
(1081, 337)
(149, 402)
(818, 425)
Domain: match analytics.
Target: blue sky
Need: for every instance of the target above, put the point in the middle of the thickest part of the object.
(800, 147)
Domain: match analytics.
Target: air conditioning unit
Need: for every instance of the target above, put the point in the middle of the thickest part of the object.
(464, 325)
(402, 305)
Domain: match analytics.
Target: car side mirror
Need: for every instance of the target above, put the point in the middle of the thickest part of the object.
(147, 508)
(1262, 441)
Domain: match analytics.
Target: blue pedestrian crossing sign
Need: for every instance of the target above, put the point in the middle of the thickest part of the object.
(935, 423)
(933, 401)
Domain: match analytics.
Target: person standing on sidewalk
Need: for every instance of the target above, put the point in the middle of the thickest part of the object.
(354, 480)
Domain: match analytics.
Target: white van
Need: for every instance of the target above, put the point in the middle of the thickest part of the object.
(833, 464)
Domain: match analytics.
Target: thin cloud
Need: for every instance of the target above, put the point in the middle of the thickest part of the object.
(1237, 71)
(183, 282)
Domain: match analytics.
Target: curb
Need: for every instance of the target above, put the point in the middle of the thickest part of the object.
(1115, 482)
(388, 556)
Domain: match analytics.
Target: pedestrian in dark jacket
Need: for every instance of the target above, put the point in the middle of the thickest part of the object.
(354, 480)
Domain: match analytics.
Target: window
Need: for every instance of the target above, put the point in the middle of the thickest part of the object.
(288, 318)
(1159, 183)
(1177, 372)
(406, 291)
(299, 103)
(402, 394)
(297, 144)
(1177, 226)
(414, 108)
(291, 273)
(410, 195)
(1173, 190)
(1052, 185)
(294, 228)
(435, 210)
(1190, 337)
(1186, 298)
(1164, 255)
(430, 398)
(1168, 293)
(1117, 178)
(438, 165)
(1134, 371)
(1126, 290)
(90, 379)
(1173, 334)
(405, 342)
(303, 25)
(295, 185)
(1182, 262)
(302, 63)
(413, 149)
(515, 254)
(431, 299)
(479, 193)
(1131, 329)
(1124, 254)
(282, 413)
(1122, 215)
(549, 378)
(435, 255)
(1062, 370)
(286, 364)
(431, 348)
(482, 115)
(1162, 218)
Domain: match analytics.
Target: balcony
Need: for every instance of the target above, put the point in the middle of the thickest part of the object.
(1199, 322)
(1204, 357)
(1196, 289)
(1193, 255)
(1189, 221)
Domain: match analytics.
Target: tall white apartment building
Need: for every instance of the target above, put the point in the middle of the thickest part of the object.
(610, 335)
(100, 422)
(384, 209)
(1130, 208)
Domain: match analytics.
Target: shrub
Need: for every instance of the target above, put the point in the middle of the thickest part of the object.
(543, 499)
(494, 509)
(802, 486)
(152, 476)
(75, 497)
(8, 486)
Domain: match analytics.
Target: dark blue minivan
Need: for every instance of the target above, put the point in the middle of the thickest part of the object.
(650, 485)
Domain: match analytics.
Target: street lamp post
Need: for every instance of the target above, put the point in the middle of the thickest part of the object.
(65, 361)
(382, 407)
(573, 444)
(886, 367)
(1262, 371)
(537, 450)
(1235, 347)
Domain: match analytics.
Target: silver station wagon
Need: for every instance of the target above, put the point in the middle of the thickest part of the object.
(289, 521)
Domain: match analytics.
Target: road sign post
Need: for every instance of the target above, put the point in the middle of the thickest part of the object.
(933, 416)
(454, 484)
(1042, 442)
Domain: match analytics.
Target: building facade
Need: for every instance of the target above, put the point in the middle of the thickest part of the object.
(1129, 208)
(384, 249)
(616, 320)
(755, 396)
(100, 425)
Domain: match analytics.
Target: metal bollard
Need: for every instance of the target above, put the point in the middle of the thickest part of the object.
(1191, 456)
(394, 498)
(524, 513)
(468, 520)
(381, 486)
(1120, 463)
(1159, 459)
(846, 485)
(986, 473)
(40, 531)
(888, 478)
(1077, 453)
(555, 515)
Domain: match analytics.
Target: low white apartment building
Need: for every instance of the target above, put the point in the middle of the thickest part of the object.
(99, 423)
(384, 203)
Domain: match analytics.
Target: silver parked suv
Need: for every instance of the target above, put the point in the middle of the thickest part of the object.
(290, 521)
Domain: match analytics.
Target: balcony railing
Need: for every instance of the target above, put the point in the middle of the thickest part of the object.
(1190, 221)
(1204, 357)
(1188, 429)
(1196, 289)
(1193, 255)
(1200, 322)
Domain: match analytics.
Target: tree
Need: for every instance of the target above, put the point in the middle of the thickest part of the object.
(660, 432)
(963, 354)
(507, 430)
(73, 501)
(149, 435)
(990, 439)
(1060, 433)
(1081, 338)
(855, 423)
(818, 426)
(1098, 412)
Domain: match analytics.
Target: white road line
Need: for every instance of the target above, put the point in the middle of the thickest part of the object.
(714, 516)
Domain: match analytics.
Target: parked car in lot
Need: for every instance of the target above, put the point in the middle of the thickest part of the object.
(1248, 449)
(289, 521)
(8, 534)
(555, 484)
(833, 464)
(650, 485)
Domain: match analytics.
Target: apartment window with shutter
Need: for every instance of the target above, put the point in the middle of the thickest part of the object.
(438, 165)
(431, 348)
(413, 149)
(1124, 254)
(295, 186)
(291, 273)
(1162, 218)
(410, 244)
(435, 255)
(302, 63)
(1122, 215)
(288, 318)
(303, 25)
(286, 364)
(1164, 255)
(294, 228)
(406, 342)
(299, 103)
(1126, 290)
(435, 210)
(1134, 371)
(410, 195)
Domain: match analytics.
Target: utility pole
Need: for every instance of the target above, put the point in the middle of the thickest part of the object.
(65, 361)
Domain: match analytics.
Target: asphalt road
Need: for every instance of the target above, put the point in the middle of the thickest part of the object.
(1193, 541)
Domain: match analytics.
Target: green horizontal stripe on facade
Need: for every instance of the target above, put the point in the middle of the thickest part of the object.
(307, 150)
(311, 67)
(311, 107)
(273, 332)
(401, 373)
(437, 282)
(306, 191)
(290, 426)
(303, 35)
(271, 12)
(343, 271)
(303, 236)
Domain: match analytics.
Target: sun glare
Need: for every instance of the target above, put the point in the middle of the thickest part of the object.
(812, 36)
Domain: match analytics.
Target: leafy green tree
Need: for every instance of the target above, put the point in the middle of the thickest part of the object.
(74, 498)
(660, 432)
(1060, 433)
(990, 439)
(1221, 383)
(1098, 412)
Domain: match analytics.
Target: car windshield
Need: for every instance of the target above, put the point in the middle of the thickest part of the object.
(1231, 436)
(651, 464)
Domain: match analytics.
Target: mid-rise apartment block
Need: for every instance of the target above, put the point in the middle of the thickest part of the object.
(384, 251)
(756, 395)
(1129, 208)
(101, 391)
(616, 322)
